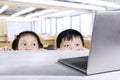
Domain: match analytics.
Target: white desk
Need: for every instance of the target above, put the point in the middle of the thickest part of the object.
(43, 65)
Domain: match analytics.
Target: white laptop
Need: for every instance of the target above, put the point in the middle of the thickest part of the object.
(105, 46)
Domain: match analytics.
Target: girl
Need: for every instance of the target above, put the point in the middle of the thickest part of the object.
(26, 40)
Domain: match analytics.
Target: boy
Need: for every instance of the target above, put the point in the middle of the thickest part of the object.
(70, 39)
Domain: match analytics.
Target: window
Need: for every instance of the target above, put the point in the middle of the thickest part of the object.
(15, 27)
(76, 22)
(59, 25)
(39, 27)
(48, 26)
(53, 26)
(43, 26)
(66, 22)
(86, 24)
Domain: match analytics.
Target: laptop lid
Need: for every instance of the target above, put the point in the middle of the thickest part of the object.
(105, 45)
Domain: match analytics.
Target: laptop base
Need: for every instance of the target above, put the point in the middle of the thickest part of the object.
(78, 63)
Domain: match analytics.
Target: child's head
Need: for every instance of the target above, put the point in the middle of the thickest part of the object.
(70, 39)
(27, 40)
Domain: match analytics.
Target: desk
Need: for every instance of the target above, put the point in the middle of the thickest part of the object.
(87, 42)
(47, 41)
(43, 65)
(3, 44)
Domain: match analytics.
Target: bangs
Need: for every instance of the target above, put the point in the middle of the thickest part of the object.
(68, 38)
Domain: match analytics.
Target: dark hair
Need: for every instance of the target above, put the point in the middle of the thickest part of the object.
(14, 44)
(68, 35)
(16, 41)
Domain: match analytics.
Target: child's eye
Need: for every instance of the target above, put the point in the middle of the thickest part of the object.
(33, 44)
(24, 44)
(66, 45)
(77, 44)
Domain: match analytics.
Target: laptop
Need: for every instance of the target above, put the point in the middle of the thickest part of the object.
(104, 54)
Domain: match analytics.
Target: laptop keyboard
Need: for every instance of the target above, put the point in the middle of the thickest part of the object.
(78, 62)
(82, 65)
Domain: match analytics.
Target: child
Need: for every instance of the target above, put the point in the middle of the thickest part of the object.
(26, 40)
(70, 39)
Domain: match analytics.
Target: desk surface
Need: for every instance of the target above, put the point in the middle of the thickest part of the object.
(35, 65)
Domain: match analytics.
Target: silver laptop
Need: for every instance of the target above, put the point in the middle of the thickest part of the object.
(105, 46)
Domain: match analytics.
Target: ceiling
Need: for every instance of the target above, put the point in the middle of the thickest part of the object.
(47, 8)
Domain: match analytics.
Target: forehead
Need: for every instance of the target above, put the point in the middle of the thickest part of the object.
(71, 39)
(28, 36)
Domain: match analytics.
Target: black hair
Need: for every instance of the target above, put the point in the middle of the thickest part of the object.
(68, 35)
(14, 44)
(16, 41)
